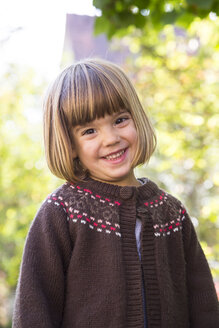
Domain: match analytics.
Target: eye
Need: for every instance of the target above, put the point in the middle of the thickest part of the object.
(122, 119)
(88, 131)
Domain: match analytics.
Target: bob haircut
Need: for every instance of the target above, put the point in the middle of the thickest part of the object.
(84, 91)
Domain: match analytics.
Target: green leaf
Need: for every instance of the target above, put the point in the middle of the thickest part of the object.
(202, 4)
(170, 17)
(101, 3)
(139, 21)
(141, 4)
(119, 6)
(185, 19)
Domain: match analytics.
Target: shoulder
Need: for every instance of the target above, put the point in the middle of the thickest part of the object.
(52, 220)
(159, 198)
(64, 196)
(64, 192)
(64, 202)
(53, 208)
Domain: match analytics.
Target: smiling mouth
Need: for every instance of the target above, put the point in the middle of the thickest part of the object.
(115, 155)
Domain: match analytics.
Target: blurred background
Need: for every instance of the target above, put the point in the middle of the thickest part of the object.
(169, 49)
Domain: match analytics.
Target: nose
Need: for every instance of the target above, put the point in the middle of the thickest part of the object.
(110, 136)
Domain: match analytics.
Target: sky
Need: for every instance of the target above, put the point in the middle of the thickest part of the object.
(32, 32)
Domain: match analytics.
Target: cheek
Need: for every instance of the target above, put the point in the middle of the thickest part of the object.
(86, 150)
(133, 135)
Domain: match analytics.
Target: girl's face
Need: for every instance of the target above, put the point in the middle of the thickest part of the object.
(106, 148)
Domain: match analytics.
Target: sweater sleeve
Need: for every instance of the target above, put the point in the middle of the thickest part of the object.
(41, 286)
(203, 303)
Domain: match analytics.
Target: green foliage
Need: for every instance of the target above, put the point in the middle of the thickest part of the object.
(119, 15)
(24, 179)
(202, 4)
(175, 74)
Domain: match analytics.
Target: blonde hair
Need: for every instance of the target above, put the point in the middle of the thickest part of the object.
(84, 91)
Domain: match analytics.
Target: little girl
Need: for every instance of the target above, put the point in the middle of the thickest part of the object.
(107, 250)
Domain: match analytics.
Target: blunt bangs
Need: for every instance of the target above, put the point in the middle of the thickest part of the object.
(89, 94)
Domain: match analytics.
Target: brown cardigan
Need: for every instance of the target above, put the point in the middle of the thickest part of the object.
(81, 267)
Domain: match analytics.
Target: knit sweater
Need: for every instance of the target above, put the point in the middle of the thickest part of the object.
(81, 267)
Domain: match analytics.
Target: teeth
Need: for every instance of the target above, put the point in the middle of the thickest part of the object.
(117, 155)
